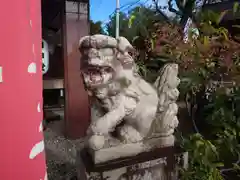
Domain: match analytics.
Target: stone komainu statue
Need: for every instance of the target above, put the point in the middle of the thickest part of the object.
(134, 116)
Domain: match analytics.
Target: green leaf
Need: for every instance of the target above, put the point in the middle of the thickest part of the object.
(161, 59)
(131, 20)
(135, 38)
(219, 164)
(221, 16)
(203, 72)
(199, 143)
(152, 44)
(235, 7)
(224, 32)
(236, 166)
(186, 79)
(206, 40)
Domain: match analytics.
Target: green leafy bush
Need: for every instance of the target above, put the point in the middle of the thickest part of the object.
(216, 154)
(210, 77)
(210, 74)
(210, 81)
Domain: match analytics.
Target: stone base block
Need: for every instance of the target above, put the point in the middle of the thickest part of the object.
(127, 150)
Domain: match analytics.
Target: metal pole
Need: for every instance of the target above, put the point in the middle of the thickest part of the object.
(117, 18)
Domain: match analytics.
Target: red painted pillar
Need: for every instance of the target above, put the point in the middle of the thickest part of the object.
(21, 139)
(77, 111)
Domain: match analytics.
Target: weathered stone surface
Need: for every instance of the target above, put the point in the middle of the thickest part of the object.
(128, 106)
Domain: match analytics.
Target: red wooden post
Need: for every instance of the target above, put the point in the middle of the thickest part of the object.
(21, 152)
(77, 111)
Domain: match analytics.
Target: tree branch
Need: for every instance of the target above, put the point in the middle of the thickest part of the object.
(160, 11)
(231, 169)
(171, 9)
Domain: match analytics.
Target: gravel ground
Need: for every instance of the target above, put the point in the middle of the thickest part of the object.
(61, 153)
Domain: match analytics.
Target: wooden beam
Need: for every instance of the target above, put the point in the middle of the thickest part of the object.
(77, 111)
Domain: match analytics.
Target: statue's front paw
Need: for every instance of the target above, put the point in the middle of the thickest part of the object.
(96, 142)
(130, 134)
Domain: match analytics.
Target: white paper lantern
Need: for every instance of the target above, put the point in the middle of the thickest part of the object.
(45, 56)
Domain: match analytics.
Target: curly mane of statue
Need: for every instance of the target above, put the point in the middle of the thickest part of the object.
(131, 115)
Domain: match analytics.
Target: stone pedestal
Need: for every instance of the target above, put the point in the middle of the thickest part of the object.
(158, 164)
(128, 150)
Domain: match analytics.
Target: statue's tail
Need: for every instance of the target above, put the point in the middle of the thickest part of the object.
(166, 85)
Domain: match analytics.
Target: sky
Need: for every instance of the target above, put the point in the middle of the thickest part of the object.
(101, 9)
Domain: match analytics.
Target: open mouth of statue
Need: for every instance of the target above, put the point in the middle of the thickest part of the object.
(96, 75)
